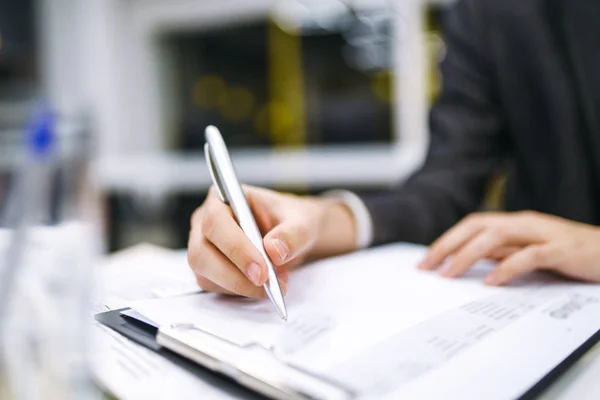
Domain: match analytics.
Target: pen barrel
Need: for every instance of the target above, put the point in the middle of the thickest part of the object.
(225, 179)
(248, 224)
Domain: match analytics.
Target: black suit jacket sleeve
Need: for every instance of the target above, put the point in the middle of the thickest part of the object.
(466, 143)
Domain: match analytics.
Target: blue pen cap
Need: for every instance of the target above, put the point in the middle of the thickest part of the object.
(41, 135)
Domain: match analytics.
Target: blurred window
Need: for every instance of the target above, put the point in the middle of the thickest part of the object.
(306, 76)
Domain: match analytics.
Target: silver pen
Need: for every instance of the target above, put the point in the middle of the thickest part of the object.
(230, 191)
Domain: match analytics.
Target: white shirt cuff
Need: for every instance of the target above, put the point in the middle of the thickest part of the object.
(362, 217)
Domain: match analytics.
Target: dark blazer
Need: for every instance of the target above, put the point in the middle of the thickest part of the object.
(518, 95)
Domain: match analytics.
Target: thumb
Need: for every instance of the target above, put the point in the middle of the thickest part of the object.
(287, 241)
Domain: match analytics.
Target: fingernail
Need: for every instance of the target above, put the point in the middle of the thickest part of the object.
(282, 250)
(493, 279)
(422, 265)
(254, 273)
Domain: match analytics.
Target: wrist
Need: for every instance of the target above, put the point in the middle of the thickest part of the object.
(336, 228)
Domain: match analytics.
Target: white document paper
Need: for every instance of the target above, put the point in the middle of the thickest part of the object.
(375, 323)
(144, 272)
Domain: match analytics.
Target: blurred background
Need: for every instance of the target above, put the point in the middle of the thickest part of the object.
(310, 95)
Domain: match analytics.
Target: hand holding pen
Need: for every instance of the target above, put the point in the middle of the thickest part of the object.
(225, 260)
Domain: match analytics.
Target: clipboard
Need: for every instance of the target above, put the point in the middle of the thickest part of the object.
(173, 343)
(145, 335)
(251, 365)
(527, 319)
(251, 370)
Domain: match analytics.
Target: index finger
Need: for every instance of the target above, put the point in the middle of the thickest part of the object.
(219, 227)
(449, 242)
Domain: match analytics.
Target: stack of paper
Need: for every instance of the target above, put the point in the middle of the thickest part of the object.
(381, 327)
